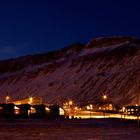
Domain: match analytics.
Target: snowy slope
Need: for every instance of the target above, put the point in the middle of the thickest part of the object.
(80, 72)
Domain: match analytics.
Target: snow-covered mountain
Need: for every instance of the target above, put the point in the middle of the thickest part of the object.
(81, 72)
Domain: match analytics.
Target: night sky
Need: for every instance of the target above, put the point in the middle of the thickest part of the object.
(35, 26)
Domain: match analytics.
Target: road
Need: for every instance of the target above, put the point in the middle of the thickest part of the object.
(91, 114)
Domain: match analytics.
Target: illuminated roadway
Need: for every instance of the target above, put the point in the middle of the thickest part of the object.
(90, 114)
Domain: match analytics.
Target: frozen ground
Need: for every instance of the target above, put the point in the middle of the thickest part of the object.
(68, 130)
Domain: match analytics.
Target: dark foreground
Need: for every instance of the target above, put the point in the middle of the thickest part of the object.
(100, 129)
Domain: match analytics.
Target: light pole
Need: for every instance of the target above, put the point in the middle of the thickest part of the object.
(104, 99)
(69, 105)
(91, 107)
(7, 99)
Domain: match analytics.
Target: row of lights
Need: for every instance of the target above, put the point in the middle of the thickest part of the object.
(70, 103)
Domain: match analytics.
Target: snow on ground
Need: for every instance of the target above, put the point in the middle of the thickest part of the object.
(68, 130)
(102, 49)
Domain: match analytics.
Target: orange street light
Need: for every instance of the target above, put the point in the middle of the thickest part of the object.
(7, 99)
(104, 97)
(30, 100)
(70, 102)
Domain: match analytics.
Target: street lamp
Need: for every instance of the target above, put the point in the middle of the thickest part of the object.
(69, 105)
(70, 102)
(7, 99)
(30, 100)
(91, 107)
(104, 99)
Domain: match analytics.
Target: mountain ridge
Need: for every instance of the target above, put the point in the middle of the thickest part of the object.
(82, 72)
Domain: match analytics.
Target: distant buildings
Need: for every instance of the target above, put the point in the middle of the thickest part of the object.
(30, 107)
(29, 100)
(132, 110)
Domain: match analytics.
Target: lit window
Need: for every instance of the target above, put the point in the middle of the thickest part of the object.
(16, 110)
(33, 110)
(123, 109)
(61, 111)
(110, 107)
(47, 109)
(17, 103)
(88, 107)
(91, 106)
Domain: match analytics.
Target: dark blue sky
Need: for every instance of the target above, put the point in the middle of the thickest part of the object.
(34, 26)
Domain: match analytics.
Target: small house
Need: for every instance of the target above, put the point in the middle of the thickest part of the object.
(22, 111)
(38, 111)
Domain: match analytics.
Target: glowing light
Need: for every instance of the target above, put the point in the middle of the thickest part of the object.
(123, 109)
(91, 106)
(16, 110)
(110, 107)
(104, 97)
(61, 111)
(15, 107)
(70, 102)
(30, 100)
(7, 99)
(17, 103)
(33, 110)
(47, 109)
(86, 115)
(88, 107)
(76, 108)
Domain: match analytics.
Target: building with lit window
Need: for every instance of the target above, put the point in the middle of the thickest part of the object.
(132, 110)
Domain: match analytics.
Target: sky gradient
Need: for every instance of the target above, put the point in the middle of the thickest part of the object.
(36, 26)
